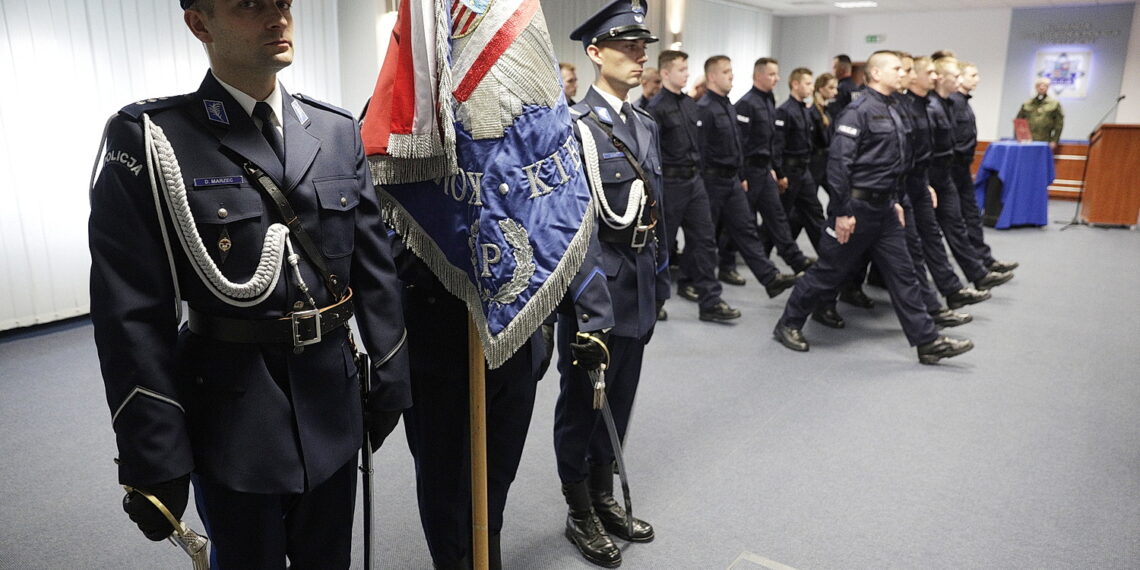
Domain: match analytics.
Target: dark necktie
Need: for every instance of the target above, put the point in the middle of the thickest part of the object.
(264, 112)
(631, 122)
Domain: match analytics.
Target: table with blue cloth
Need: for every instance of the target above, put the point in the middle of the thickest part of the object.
(1025, 171)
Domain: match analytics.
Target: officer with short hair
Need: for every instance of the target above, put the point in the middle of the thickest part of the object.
(269, 229)
(868, 158)
(793, 148)
(965, 142)
(650, 86)
(756, 118)
(949, 211)
(1044, 114)
(626, 161)
(723, 156)
(686, 200)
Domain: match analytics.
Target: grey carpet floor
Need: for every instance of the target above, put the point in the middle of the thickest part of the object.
(1024, 453)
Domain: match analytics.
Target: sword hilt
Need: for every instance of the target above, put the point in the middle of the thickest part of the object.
(192, 543)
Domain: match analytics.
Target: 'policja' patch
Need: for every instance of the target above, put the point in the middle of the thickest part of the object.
(847, 130)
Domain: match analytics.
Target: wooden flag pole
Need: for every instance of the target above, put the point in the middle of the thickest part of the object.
(477, 376)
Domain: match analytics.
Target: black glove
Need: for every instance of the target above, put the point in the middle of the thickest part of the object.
(173, 494)
(589, 351)
(380, 423)
(547, 330)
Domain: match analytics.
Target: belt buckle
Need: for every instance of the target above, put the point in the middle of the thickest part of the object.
(306, 327)
(640, 236)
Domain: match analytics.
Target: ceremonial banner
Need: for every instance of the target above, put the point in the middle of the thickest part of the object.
(471, 148)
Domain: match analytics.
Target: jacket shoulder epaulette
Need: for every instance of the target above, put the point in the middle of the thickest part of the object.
(322, 105)
(150, 106)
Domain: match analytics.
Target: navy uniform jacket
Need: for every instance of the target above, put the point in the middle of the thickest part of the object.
(676, 114)
(922, 138)
(844, 88)
(794, 134)
(965, 125)
(637, 279)
(719, 136)
(756, 117)
(253, 417)
(941, 126)
(868, 151)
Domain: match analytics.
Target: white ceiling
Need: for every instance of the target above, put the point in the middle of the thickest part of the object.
(816, 7)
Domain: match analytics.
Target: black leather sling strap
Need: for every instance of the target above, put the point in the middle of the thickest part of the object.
(265, 183)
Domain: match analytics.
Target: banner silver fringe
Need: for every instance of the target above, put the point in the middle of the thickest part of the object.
(496, 348)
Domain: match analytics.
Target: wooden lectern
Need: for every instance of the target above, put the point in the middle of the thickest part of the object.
(1112, 185)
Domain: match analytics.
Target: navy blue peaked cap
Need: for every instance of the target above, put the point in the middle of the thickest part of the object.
(185, 3)
(618, 20)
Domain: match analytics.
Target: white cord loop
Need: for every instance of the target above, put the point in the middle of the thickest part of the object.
(634, 207)
(160, 157)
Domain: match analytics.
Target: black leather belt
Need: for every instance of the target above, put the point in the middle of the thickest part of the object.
(795, 162)
(682, 172)
(757, 161)
(300, 328)
(720, 172)
(636, 236)
(877, 198)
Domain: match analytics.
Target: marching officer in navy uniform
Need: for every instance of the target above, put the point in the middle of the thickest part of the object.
(949, 210)
(723, 157)
(686, 200)
(868, 158)
(965, 142)
(932, 253)
(256, 399)
(792, 152)
(767, 184)
(635, 267)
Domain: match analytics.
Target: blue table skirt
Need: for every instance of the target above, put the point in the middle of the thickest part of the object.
(1025, 170)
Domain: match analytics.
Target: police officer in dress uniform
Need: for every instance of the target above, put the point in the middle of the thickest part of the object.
(868, 157)
(686, 200)
(636, 276)
(792, 151)
(723, 156)
(256, 400)
(949, 212)
(965, 142)
(757, 121)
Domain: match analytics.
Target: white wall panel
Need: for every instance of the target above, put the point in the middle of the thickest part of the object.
(65, 66)
(978, 36)
(720, 28)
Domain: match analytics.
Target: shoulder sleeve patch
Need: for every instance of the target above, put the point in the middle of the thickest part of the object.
(847, 130)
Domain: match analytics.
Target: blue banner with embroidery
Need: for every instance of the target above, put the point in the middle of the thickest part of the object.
(507, 231)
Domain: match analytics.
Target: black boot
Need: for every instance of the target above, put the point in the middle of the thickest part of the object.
(609, 511)
(585, 531)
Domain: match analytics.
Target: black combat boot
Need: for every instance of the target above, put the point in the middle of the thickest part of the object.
(584, 529)
(609, 511)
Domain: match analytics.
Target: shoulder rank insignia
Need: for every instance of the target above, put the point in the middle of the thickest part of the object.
(301, 116)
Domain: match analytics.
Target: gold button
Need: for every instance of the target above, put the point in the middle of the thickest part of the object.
(223, 213)
(343, 201)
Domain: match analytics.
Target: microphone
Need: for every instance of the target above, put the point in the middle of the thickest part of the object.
(1119, 99)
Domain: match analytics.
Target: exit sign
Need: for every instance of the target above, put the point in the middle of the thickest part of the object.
(876, 38)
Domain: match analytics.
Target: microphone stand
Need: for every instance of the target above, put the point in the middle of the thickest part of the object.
(1076, 221)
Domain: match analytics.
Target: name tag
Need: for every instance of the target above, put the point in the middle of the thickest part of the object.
(618, 154)
(779, 122)
(218, 181)
(743, 119)
(848, 130)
